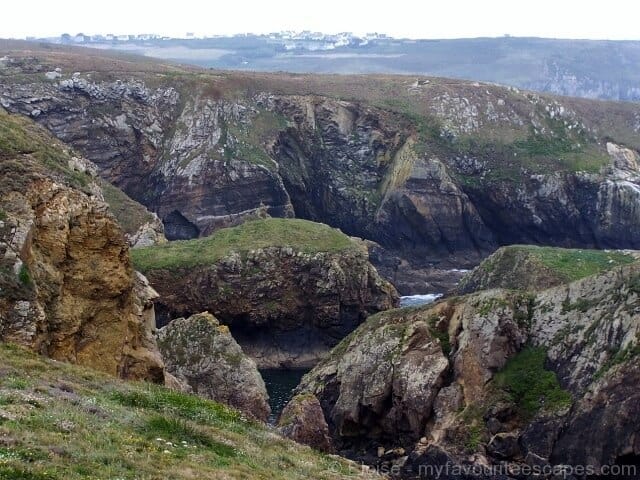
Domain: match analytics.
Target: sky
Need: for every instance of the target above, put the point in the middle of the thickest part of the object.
(611, 19)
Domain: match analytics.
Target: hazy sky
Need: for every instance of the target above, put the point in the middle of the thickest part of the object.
(613, 19)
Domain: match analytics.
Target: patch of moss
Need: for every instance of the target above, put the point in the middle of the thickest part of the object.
(529, 385)
(441, 334)
(301, 235)
(618, 357)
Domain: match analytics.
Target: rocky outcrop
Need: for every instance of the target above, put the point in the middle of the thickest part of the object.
(286, 305)
(202, 353)
(302, 420)
(68, 289)
(493, 378)
(531, 268)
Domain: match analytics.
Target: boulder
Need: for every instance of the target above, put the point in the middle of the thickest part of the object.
(302, 420)
(202, 353)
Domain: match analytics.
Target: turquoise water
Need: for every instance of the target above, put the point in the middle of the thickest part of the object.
(280, 385)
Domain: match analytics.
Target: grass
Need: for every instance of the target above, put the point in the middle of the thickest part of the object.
(301, 235)
(531, 387)
(130, 214)
(27, 149)
(575, 264)
(67, 422)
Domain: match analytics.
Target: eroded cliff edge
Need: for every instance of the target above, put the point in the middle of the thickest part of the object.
(68, 288)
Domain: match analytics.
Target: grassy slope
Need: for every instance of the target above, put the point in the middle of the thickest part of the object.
(302, 235)
(61, 421)
(574, 264)
(530, 267)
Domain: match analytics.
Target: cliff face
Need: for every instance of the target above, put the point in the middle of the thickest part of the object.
(286, 303)
(68, 288)
(492, 377)
(437, 172)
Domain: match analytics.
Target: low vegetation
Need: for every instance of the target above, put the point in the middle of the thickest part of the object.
(301, 235)
(575, 264)
(58, 421)
(529, 385)
(130, 214)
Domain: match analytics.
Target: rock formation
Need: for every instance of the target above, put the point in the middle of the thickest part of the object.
(495, 377)
(68, 288)
(288, 289)
(203, 354)
(302, 420)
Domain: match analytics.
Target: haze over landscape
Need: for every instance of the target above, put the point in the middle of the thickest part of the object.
(328, 241)
(403, 19)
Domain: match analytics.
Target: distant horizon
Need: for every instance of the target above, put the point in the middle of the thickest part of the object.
(195, 36)
(406, 19)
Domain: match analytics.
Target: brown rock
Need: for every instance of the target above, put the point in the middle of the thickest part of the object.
(302, 420)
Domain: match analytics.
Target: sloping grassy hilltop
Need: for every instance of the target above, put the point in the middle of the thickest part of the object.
(574, 264)
(301, 235)
(526, 267)
(59, 421)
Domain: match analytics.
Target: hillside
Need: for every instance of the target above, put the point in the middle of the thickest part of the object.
(528, 267)
(300, 235)
(439, 172)
(63, 422)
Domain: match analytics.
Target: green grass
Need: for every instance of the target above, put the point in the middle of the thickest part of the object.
(24, 146)
(118, 430)
(130, 214)
(529, 385)
(301, 235)
(575, 264)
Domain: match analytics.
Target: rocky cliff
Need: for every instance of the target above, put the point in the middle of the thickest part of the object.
(288, 289)
(439, 172)
(203, 354)
(512, 378)
(68, 289)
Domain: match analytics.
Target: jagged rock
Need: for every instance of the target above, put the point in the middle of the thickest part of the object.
(302, 420)
(150, 233)
(71, 293)
(504, 446)
(603, 429)
(589, 332)
(174, 383)
(382, 380)
(202, 353)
